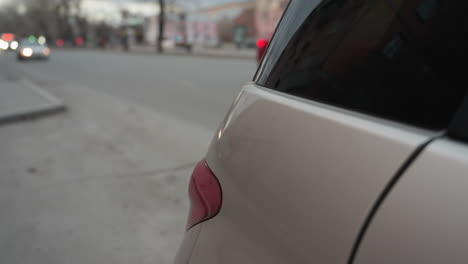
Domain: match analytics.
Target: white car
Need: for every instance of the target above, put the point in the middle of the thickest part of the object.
(32, 50)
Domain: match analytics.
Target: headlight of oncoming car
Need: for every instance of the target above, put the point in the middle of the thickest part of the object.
(46, 51)
(27, 52)
(14, 45)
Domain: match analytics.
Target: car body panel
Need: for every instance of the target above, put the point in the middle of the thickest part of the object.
(298, 179)
(188, 244)
(424, 219)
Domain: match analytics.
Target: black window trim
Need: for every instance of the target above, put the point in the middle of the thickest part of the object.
(458, 128)
(269, 60)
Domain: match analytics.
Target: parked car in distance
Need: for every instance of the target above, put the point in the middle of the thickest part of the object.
(350, 145)
(32, 50)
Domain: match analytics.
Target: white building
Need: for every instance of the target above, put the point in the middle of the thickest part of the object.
(111, 11)
(267, 15)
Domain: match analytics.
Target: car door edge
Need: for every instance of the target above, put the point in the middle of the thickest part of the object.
(385, 193)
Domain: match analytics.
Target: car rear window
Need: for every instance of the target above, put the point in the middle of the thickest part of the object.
(402, 60)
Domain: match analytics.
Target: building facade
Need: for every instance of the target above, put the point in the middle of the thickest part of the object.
(267, 15)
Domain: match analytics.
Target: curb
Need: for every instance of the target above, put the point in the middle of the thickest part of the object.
(166, 53)
(55, 105)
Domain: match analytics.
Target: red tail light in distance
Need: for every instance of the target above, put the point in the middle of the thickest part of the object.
(261, 43)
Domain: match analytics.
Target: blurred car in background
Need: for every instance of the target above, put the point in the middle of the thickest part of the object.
(350, 145)
(31, 49)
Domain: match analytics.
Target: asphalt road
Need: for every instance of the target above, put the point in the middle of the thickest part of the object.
(195, 89)
(106, 181)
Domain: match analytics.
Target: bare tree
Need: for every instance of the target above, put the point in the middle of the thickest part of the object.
(27, 17)
(68, 17)
(11, 20)
(165, 6)
(162, 24)
(52, 18)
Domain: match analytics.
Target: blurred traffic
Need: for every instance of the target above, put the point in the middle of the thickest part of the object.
(31, 47)
(239, 27)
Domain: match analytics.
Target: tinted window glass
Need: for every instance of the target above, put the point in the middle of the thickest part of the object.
(398, 59)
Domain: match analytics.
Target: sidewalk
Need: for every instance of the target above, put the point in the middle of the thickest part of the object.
(106, 183)
(227, 51)
(21, 99)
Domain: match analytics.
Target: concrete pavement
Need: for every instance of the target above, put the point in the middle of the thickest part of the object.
(228, 51)
(104, 183)
(22, 99)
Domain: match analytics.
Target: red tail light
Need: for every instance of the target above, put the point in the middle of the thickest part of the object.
(8, 37)
(60, 42)
(261, 43)
(79, 41)
(205, 195)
